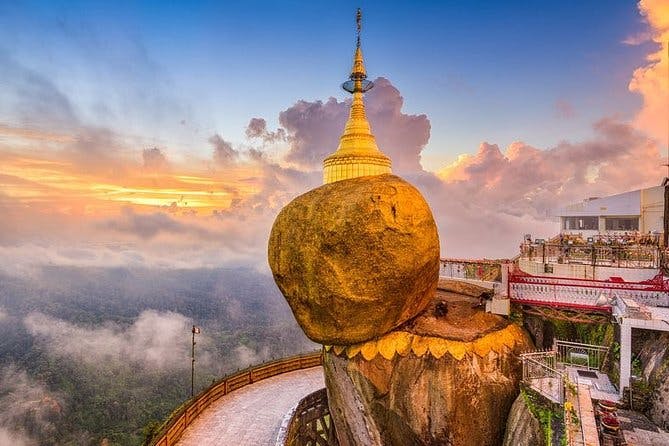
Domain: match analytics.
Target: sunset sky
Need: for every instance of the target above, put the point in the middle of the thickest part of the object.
(170, 134)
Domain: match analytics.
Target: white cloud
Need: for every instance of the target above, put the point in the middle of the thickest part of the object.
(156, 341)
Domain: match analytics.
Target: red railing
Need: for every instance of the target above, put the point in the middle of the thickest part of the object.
(584, 293)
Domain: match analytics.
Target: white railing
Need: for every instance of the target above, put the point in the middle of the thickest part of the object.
(541, 376)
(580, 355)
(583, 293)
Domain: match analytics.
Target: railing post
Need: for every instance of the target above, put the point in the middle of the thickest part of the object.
(625, 355)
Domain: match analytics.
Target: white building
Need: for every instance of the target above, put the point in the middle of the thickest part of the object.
(639, 210)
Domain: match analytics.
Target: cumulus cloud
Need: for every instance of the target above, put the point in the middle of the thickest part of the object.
(224, 154)
(501, 195)
(470, 229)
(156, 341)
(401, 136)
(257, 129)
(619, 157)
(314, 128)
(650, 80)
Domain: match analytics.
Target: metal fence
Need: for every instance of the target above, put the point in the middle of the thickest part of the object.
(580, 355)
(613, 255)
(540, 374)
(485, 270)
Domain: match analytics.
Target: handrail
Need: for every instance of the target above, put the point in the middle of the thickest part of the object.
(310, 423)
(598, 254)
(574, 353)
(537, 368)
(478, 269)
(174, 426)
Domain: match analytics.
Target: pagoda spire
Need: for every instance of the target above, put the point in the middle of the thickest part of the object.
(357, 154)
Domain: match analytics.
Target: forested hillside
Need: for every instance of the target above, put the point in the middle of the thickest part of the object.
(88, 354)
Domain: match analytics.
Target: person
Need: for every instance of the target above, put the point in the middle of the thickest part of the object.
(441, 309)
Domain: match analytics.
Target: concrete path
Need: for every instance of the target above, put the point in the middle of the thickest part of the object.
(252, 415)
(587, 416)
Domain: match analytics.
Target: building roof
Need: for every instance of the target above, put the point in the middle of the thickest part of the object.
(626, 203)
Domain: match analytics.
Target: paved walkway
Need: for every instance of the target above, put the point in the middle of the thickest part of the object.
(587, 416)
(252, 415)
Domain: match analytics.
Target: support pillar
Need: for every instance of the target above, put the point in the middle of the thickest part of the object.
(625, 354)
(504, 290)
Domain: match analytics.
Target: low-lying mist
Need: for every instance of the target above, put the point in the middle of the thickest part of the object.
(90, 353)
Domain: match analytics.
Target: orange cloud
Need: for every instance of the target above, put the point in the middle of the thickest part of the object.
(652, 80)
(59, 181)
(59, 201)
(25, 133)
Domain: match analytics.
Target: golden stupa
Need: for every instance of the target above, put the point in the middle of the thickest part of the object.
(359, 255)
(357, 154)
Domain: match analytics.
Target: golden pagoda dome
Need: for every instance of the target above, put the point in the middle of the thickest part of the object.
(357, 154)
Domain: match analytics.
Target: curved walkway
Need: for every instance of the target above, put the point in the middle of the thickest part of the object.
(252, 415)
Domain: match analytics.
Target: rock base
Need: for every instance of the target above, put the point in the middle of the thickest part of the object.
(424, 384)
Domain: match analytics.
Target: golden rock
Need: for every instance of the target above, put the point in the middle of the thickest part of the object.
(355, 258)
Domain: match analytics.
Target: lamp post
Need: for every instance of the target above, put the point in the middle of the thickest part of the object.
(195, 330)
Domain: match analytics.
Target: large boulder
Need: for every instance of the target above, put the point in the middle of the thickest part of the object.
(355, 258)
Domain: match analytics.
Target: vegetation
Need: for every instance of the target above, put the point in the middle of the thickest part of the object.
(597, 334)
(549, 415)
(91, 347)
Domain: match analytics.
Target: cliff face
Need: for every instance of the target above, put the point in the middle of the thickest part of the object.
(522, 427)
(442, 380)
(654, 356)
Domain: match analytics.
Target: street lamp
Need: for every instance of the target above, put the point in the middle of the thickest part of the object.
(195, 330)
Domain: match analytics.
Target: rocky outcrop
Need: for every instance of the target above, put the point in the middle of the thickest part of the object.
(445, 378)
(654, 356)
(355, 258)
(462, 287)
(522, 427)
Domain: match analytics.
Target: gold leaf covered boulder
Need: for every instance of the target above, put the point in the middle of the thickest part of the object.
(355, 258)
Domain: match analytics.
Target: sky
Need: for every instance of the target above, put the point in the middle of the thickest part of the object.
(170, 134)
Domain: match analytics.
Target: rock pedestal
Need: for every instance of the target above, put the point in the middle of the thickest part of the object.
(522, 427)
(443, 379)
